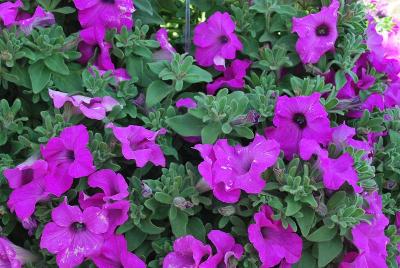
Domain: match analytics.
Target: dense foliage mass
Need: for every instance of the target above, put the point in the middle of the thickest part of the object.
(199, 134)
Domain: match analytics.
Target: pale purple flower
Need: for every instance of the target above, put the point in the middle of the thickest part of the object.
(68, 157)
(226, 248)
(40, 18)
(317, 33)
(9, 12)
(115, 254)
(373, 101)
(107, 14)
(342, 136)
(138, 143)
(28, 186)
(115, 211)
(215, 40)
(233, 77)
(188, 252)
(113, 184)
(73, 234)
(273, 242)
(335, 172)
(93, 108)
(229, 169)
(188, 103)
(297, 118)
(167, 50)
(12, 256)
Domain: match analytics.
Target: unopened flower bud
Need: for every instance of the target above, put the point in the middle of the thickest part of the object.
(227, 211)
(182, 203)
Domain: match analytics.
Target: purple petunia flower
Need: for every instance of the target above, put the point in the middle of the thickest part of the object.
(215, 40)
(226, 250)
(167, 50)
(93, 108)
(107, 14)
(40, 18)
(28, 184)
(113, 184)
(74, 235)
(373, 101)
(233, 77)
(139, 144)
(317, 33)
(114, 253)
(188, 103)
(274, 243)
(119, 74)
(188, 252)
(335, 172)
(9, 12)
(68, 157)
(342, 136)
(12, 256)
(297, 118)
(392, 95)
(229, 169)
(363, 260)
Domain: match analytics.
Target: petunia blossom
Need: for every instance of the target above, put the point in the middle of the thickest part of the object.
(363, 260)
(342, 136)
(68, 157)
(40, 18)
(274, 243)
(215, 40)
(188, 103)
(297, 118)
(233, 77)
(317, 33)
(28, 186)
(93, 108)
(188, 252)
(13, 256)
(392, 95)
(114, 254)
(229, 169)
(167, 50)
(9, 12)
(138, 143)
(73, 234)
(107, 14)
(113, 184)
(226, 247)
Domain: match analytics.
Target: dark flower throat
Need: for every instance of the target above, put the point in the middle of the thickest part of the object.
(300, 120)
(322, 30)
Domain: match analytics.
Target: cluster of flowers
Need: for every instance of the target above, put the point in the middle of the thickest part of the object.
(78, 232)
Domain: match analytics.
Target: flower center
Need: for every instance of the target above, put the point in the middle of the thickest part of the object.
(264, 232)
(300, 120)
(108, 1)
(70, 155)
(223, 39)
(26, 175)
(78, 227)
(322, 30)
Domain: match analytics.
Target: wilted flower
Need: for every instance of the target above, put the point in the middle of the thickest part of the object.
(274, 243)
(230, 169)
(215, 40)
(342, 136)
(74, 235)
(108, 14)
(233, 77)
(114, 253)
(188, 252)
(93, 108)
(40, 18)
(68, 157)
(28, 186)
(317, 33)
(139, 144)
(113, 184)
(13, 256)
(297, 118)
(167, 50)
(227, 249)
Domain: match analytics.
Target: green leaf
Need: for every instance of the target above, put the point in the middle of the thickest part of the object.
(179, 223)
(135, 238)
(292, 206)
(156, 92)
(64, 10)
(307, 261)
(196, 75)
(163, 198)
(196, 228)
(340, 79)
(148, 227)
(244, 132)
(39, 75)
(185, 125)
(336, 200)
(210, 133)
(144, 5)
(56, 64)
(322, 234)
(307, 221)
(327, 251)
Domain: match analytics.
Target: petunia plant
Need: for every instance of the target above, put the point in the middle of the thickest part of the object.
(199, 134)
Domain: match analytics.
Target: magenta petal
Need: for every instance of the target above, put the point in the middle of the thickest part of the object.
(95, 220)
(64, 215)
(113, 184)
(55, 238)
